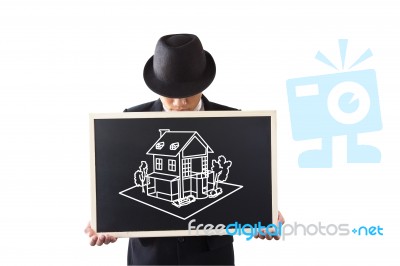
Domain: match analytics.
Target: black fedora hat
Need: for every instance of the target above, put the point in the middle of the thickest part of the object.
(180, 67)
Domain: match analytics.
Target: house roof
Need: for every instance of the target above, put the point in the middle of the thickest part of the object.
(171, 143)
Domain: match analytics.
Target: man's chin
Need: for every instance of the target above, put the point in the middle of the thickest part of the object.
(179, 110)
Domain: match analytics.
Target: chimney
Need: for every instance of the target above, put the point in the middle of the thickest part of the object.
(162, 131)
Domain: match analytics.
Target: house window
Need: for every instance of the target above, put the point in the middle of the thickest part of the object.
(186, 167)
(174, 146)
(159, 145)
(158, 164)
(171, 165)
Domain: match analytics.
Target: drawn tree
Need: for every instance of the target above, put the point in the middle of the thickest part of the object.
(225, 165)
(221, 170)
(140, 175)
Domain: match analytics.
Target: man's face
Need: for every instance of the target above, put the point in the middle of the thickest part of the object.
(181, 104)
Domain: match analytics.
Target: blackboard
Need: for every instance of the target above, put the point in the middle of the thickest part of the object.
(153, 173)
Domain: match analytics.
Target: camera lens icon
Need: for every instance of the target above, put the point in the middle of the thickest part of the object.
(348, 103)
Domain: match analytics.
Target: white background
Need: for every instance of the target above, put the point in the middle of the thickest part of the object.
(61, 60)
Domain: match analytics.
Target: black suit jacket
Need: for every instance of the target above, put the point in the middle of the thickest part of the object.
(205, 250)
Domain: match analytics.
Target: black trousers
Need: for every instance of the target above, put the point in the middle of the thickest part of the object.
(196, 250)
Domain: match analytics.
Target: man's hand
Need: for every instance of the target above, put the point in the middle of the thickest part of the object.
(100, 239)
(267, 236)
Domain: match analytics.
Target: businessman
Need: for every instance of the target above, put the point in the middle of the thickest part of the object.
(179, 71)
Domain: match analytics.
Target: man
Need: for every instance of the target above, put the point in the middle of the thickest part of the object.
(179, 72)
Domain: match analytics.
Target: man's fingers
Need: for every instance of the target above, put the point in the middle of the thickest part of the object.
(88, 228)
(262, 236)
(268, 237)
(93, 240)
(281, 218)
(107, 240)
(100, 240)
(91, 233)
(271, 231)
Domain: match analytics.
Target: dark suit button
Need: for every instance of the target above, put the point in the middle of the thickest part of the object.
(181, 239)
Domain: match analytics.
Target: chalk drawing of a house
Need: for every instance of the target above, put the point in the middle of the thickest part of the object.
(184, 172)
(180, 167)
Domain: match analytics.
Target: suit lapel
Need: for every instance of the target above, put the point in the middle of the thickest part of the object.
(206, 103)
(157, 106)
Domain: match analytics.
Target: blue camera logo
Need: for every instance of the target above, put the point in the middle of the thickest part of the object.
(325, 106)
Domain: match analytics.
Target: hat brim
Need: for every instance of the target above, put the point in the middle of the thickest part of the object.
(179, 89)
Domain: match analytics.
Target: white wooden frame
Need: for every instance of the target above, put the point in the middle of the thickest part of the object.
(185, 114)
